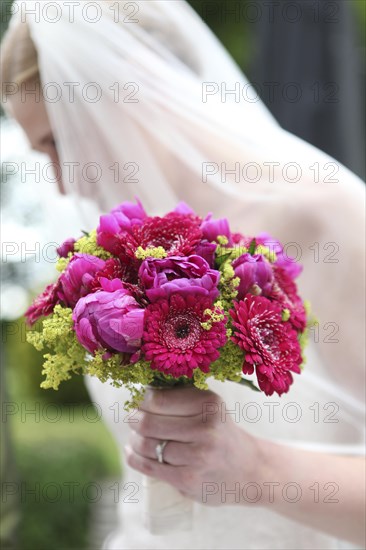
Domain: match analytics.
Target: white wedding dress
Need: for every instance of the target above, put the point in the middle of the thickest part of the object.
(184, 140)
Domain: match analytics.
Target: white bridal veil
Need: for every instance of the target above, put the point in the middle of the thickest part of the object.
(144, 101)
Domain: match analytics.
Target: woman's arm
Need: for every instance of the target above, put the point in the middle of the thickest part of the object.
(217, 463)
(324, 491)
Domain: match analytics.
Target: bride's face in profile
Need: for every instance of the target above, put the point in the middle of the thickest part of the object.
(31, 114)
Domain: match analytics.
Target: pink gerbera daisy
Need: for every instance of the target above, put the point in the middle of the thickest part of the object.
(271, 345)
(174, 340)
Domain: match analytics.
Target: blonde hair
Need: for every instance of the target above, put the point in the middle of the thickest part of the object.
(19, 59)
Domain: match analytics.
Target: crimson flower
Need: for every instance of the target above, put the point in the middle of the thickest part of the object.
(174, 340)
(178, 234)
(44, 304)
(271, 345)
(284, 291)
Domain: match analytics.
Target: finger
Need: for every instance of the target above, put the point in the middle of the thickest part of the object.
(187, 429)
(175, 475)
(183, 401)
(175, 453)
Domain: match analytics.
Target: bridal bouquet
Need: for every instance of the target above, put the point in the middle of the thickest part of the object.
(171, 300)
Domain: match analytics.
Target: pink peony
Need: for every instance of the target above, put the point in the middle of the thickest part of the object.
(191, 275)
(109, 320)
(255, 274)
(78, 278)
(207, 250)
(211, 229)
(66, 247)
(174, 340)
(271, 345)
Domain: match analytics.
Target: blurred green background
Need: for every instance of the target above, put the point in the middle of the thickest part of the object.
(54, 440)
(40, 451)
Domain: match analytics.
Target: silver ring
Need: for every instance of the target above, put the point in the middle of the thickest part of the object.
(159, 450)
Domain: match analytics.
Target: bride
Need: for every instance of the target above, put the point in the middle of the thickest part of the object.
(133, 99)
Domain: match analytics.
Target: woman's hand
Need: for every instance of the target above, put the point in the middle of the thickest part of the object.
(206, 452)
(209, 459)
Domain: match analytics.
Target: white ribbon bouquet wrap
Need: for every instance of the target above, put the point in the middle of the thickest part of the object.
(165, 509)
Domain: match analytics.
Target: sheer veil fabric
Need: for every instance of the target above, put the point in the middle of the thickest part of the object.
(163, 130)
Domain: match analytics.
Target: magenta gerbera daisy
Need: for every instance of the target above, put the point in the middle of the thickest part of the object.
(271, 345)
(175, 341)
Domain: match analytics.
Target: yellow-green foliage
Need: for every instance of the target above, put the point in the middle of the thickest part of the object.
(225, 253)
(223, 240)
(62, 263)
(228, 285)
(88, 245)
(58, 337)
(150, 252)
(266, 252)
(286, 314)
(228, 282)
(304, 336)
(215, 316)
(199, 379)
(227, 367)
